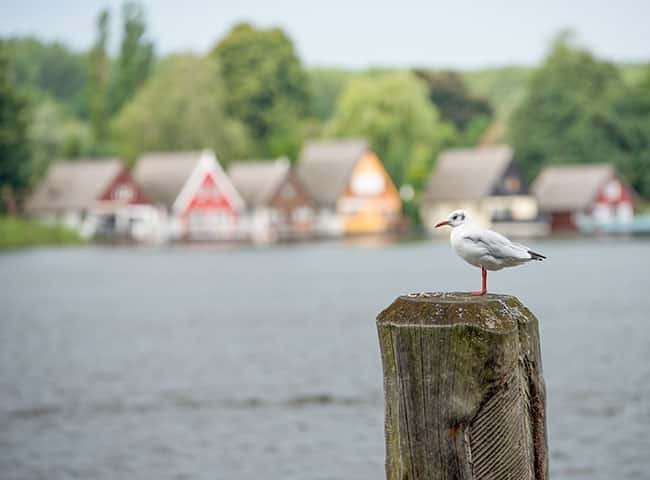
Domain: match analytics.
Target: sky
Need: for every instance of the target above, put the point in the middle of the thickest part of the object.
(457, 34)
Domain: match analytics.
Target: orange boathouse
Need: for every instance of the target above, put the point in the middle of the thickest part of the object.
(351, 187)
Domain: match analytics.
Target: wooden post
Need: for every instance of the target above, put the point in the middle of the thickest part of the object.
(464, 392)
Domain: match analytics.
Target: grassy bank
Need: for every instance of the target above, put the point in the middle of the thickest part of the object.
(16, 232)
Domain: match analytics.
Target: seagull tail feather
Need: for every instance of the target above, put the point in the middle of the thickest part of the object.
(536, 256)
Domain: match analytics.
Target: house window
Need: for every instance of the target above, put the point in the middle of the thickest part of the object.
(288, 192)
(613, 190)
(207, 191)
(276, 216)
(503, 214)
(625, 212)
(206, 220)
(303, 215)
(602, 213)
(123, 193)
(368, 183)
(512, 184)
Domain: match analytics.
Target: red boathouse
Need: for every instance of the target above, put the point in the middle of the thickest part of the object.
(200, 200)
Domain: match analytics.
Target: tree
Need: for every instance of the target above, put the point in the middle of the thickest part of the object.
(97, 94)
(181, 107)
(456, 104)
(51, 68)
(568, 115)
(325, 86)
(15, 155)
(54, 134)
(392, 110)
(633, 108)
(136, 56)
(267, 87)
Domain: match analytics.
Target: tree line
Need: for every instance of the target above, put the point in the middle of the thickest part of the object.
(251, 97)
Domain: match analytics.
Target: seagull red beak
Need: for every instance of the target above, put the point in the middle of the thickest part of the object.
(442, 224)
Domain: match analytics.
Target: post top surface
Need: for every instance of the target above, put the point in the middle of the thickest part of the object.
(456, 297)
(493, 312)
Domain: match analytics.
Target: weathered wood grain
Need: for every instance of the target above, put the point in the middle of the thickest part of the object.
(464, 391)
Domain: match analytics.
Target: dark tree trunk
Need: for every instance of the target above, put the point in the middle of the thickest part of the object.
(9, 200)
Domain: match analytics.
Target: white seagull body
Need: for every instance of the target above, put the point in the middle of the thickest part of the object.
(484, 248)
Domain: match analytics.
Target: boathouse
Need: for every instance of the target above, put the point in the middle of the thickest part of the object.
(486, 182)
(198, 197)
(584, 197)
(97, 197)
(350, 186)
(278, 206)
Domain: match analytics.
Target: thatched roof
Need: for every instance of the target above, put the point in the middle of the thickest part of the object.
(468, 173)
(325, 167)
(570, 187)
(258, 180)
(72, 185)
(162, 175)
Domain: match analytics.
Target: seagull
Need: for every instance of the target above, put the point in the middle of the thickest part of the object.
(485, 248)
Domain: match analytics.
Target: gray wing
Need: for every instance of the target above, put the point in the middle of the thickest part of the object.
(497, 246)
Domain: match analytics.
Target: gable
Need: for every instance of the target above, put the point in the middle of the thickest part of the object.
(510, 182)
(613, 192)
(123, 189)
(208, 187)
(291, 194)
(325, 167)
(209, 196)
(369, 178)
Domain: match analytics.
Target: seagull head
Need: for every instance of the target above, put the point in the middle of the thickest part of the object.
(455, 219)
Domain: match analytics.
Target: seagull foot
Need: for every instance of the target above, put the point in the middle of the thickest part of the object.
(478, 294)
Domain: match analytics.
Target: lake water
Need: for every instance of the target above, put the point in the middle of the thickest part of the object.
(208, 363)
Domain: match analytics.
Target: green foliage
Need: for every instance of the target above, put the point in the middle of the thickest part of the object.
(503, 87)
(98, 81)
(633, 74)
(475, 132)
(568, 115)
(394, 113)
(267, 87)
(633, 109)
(49, 67)
(181, 107)
(16, 233)
(582, 110)
(506, 87)
(54, 133)
(456, 104)
(15, 152)
(325, 86)
(135, 62)
(252, 97)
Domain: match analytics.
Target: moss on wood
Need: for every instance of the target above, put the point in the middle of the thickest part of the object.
(464, 391)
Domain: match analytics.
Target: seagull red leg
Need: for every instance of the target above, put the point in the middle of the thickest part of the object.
(484, 278)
